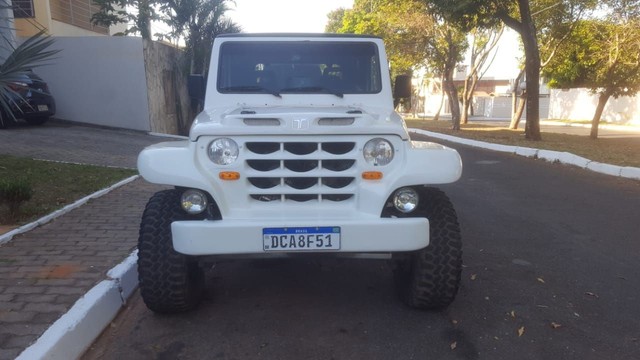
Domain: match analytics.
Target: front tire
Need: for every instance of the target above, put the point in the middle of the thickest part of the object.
(429, 278)
(170, 282)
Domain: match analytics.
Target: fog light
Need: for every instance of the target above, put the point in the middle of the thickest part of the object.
(194, 201)
(406, 200)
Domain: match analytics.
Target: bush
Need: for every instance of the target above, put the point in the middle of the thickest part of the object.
(14, 193)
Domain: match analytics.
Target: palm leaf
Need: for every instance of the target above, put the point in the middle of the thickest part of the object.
(32, 53)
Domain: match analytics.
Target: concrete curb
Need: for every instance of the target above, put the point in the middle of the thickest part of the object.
(71, 335)
(548, 155)
(45, 219)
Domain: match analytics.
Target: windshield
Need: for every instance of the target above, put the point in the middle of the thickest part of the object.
(298, 67)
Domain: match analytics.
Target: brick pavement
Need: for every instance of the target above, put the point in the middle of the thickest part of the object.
(45, 271)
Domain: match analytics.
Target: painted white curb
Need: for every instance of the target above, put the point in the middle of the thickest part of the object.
(548, 155)
(45, 219)
(71, 335)
(170, 136)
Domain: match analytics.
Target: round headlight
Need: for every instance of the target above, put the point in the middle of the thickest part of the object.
(223, 151)
(194, 201)
(378, 152)
(406, 200)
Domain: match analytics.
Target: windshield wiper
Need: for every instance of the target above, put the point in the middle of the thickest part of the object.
(314, 89)
(251, 88)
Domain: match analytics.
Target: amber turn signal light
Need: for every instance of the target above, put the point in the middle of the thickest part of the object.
(229, 175)
(372, 175)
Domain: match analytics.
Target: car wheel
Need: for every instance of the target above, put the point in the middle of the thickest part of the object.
(37, 120)
(170, 282)
(429, 278)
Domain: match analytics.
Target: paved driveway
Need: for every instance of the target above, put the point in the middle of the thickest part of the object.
(62, 141)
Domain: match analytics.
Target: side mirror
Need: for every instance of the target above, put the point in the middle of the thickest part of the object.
(402, 87)
(196, 84)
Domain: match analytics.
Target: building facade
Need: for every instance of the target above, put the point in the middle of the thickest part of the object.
(58, 17)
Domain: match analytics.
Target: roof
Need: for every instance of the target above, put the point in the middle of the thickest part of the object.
(301, 35)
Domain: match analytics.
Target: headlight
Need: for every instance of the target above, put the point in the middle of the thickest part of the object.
(194, 201)
(378, 152)
(406, 200)
(223, 151)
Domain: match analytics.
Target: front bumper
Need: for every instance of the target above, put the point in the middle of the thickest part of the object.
(229, 237)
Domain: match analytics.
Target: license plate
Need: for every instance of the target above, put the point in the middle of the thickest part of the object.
(43, 108)
(301, 238)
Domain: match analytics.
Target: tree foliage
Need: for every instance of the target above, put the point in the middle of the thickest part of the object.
(113, 12)
(602, 55)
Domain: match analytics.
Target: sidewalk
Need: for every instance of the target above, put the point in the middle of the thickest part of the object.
(43, 272)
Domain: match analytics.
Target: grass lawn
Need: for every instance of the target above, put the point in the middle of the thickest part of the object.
(54, 184)
(616, 151)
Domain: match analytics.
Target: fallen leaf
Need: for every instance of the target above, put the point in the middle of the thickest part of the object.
(497, 338)
(454, 345)
(521, 331)
(513, 314)
(474, 276)
(592, 294)
(454, 322)
(555, 325)
(541, 280)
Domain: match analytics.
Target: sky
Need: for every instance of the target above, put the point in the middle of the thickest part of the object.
(297, 16)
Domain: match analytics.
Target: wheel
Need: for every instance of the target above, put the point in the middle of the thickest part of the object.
(37, 120)
(429, 278)
(170, 282)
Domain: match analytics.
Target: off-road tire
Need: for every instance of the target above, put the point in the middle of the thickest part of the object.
(429, 278)
(170, 282)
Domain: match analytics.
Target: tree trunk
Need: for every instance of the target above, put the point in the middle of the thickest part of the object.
(517, 114)
(532, 69)
(452, 93)
(442, 94)
(595, 122)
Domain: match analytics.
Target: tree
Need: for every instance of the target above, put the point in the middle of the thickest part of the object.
(414, 36)
(334, 20)
(602, 55)
(516, 14)
(484, 41)
(198, 22)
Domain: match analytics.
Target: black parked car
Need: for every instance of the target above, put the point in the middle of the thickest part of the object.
(35, 104)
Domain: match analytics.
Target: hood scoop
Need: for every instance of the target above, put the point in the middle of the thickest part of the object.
(261, 121)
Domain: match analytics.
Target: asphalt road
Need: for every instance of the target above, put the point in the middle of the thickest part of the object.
(551, 259)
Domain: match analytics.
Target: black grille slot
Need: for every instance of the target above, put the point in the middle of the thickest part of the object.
(264, 182)
(264, 165)
(263, 147)
(301, 166)
(301, 197)
(301, 183)
(338, 148)
(266, 197)
(337, 165)
(300, 148)
(337, 182)
(338, 197)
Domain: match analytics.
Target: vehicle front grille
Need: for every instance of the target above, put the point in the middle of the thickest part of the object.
(301, 171)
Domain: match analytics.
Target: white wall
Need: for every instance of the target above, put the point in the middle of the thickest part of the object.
(99, 80)
(580, 104)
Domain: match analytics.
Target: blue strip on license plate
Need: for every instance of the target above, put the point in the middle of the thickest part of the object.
(301, 238)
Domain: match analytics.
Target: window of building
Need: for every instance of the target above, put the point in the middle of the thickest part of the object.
(23, 9)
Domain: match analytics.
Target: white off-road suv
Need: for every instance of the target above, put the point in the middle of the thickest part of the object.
(299, 151)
